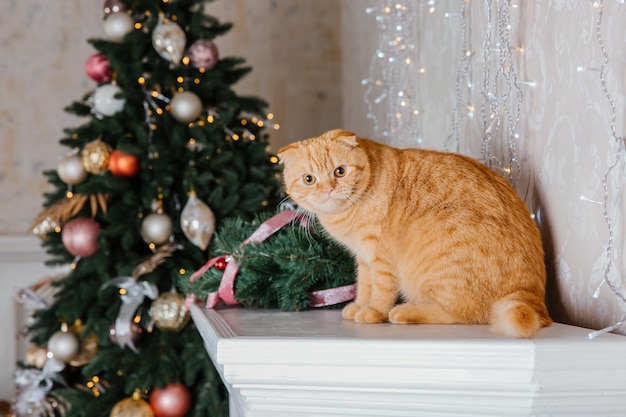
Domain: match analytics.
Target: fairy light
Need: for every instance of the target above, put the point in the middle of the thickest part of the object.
(617, 143)
(501, 107)
(391, 89)
(462, 106)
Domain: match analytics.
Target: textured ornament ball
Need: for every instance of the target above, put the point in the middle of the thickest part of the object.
(171, 401)
(95, 157)
(156, 228)
(71, 170)
(105, 101)
(169, 312)
(123, 164)
(186, 106)
(63, 346)
(80, 236)
(203, 54)
(98, 69)
(114, 6)
(134, 406)
(117, 25)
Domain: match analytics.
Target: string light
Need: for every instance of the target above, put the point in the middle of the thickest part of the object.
(617, 142)
(391, 87)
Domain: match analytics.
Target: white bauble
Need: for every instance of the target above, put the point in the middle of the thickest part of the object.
(64, 346)
(105, 102)
(186, 106)
(156, 228)
(117, 25)
(71, 170)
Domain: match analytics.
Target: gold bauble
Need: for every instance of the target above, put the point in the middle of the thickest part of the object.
(88, 351)
(169, 312)
(134, 406)
(36, 356)
(95, 156)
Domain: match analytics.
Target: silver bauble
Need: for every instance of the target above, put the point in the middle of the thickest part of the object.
(105, 101)
(117, 25)
(156, 228)
(186, 106)
(71, 170)
(63, 346)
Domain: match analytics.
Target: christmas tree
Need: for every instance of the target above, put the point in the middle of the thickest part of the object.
(168, 150)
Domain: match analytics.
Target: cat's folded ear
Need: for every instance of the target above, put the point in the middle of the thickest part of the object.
(285, 152)
(343, 136)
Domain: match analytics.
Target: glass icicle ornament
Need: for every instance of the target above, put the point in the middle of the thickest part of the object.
(197, 221)
(169, 40)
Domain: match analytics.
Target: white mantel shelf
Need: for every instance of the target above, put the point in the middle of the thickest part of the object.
(313, 363)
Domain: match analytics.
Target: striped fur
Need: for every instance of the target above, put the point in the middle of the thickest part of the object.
(442, 231)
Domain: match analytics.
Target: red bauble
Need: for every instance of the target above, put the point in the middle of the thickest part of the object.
(220, 264)
(171, 401)
(80, 236)
(97, 68)
(123, 164)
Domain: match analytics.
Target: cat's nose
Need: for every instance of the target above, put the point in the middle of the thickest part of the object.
(329, 191)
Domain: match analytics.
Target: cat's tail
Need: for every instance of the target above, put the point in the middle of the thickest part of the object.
(519, 314)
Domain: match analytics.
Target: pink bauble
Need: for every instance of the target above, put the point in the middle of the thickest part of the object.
(203, 54)
(97, 68)
(171, 401)
(80, 236)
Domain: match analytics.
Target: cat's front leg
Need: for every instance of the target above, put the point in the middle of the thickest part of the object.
(373, 301)
(364, 291)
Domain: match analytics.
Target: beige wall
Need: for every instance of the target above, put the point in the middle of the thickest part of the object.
(292, 46)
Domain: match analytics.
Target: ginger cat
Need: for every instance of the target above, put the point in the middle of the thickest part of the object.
(446, 233)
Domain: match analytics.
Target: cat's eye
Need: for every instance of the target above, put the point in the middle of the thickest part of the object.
(308, 179)
(340, 171)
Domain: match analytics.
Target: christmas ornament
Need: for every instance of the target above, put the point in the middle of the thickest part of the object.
(186, 106)
(171, 401)
(105, 101)
(156, 228)
(117, 25)
(71, 170)
(80, 236)
(36, 356)
(95, 156)
(134, 334)
(169, 40)
(123, 164)
(97, 68)
(64, 346)
(133, 406)
(203, 54)
(221, 263)
(197, 221)
(87, 351)
(114, 6)
(169, 311)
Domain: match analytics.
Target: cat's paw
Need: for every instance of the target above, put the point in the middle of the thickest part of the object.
(350, 311)
(369, 315)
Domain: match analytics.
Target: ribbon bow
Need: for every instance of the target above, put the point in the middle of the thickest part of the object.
(34, 384)
(132, 297)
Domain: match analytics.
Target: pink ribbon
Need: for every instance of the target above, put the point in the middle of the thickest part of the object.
(226, 290)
